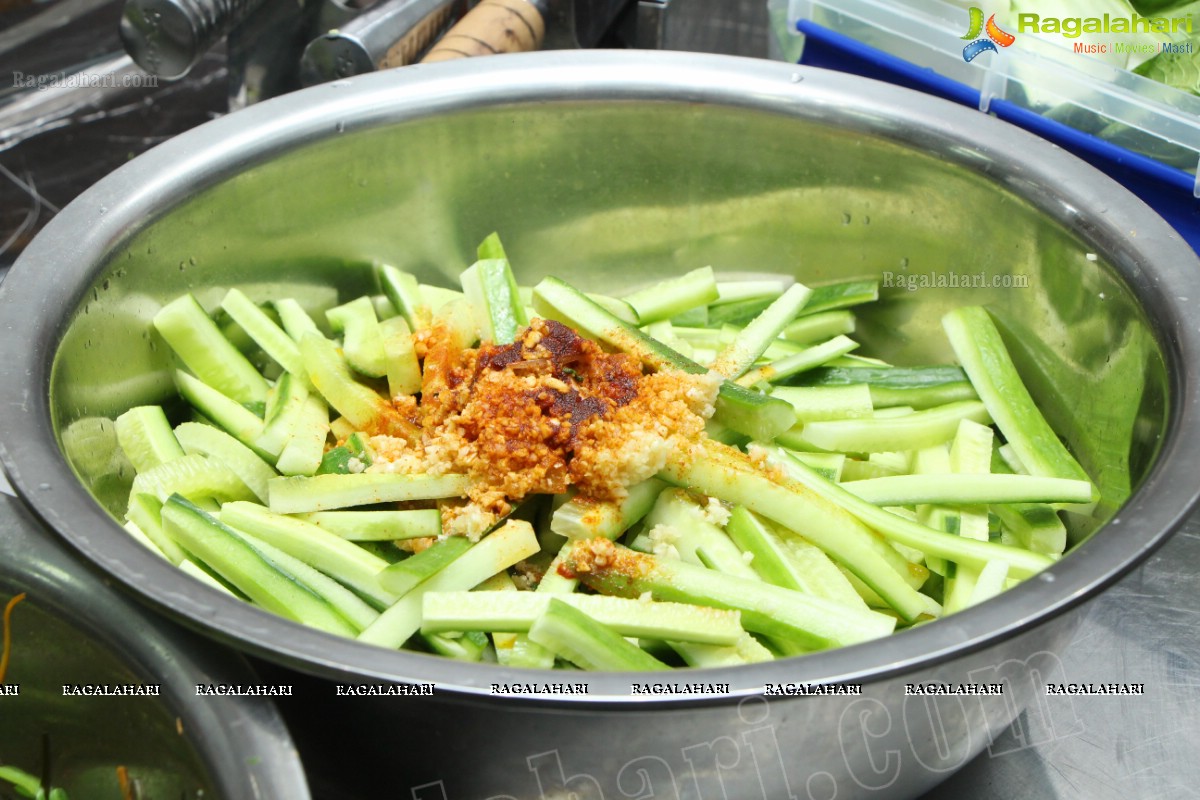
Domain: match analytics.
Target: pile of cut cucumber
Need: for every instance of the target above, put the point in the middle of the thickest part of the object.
(836, 498)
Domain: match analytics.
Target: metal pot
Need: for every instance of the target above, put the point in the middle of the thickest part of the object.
(73, 633)
(613, 169)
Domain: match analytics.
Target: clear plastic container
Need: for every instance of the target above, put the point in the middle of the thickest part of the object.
(1110, 115)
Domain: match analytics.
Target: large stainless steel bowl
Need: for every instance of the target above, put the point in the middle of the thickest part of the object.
(73, 630)
(614, 169)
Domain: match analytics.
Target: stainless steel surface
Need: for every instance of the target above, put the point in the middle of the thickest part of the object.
(361, 44)
(830, 174)
(73, 629)
(1143, 630)
(168, 37)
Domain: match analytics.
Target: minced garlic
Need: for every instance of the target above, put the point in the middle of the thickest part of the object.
(549, 412)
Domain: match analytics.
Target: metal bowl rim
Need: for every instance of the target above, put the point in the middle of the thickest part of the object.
(76, 241)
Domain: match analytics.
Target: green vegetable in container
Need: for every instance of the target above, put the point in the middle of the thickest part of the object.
(541, 476)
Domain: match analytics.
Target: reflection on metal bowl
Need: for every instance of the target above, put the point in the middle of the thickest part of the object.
(614, 169)
(73, 638)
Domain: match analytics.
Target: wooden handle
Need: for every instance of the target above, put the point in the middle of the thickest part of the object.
(493, 26)
(406, 49)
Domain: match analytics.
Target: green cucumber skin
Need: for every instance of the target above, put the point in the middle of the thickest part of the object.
(234, 418)
(145, 511)
(748, 412)
(491, 247)
(984, 356)
(738, 312)
(336, 557)
(889, 377)
(194, 477)
(515, 612)
(303, 451)
(919, 387)
(378, 526)
(1036, 526)
(668, 298)
(220, 547)
(403, 576)
(736, 480)
(811, 328)
(499, 550)
(609, 519)
(295, 320)
(331, 376)
(273, 339)
(833, 296)
(295, 495)
(769, 561)
(912, 534)
(349, 605)
(825, 403)
(964, 489)
(581, 640)
(199, 343)
(404, 293)
(909, 432)
(752, 341)
(780, 370)
(207, 440)
(491, 289)
(770, 610)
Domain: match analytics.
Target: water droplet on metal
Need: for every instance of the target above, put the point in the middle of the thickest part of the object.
(845, 218)
(43, 487)
(341, 127)
(904, 263)
(797, 77)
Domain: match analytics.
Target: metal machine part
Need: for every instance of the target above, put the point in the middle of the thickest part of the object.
(276, 46)
(168, 37)
(392, 33)
(638, 165)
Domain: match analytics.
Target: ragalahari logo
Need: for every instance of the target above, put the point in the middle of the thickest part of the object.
(991, 36)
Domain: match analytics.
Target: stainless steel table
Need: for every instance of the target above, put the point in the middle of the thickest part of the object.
(1144, 630)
